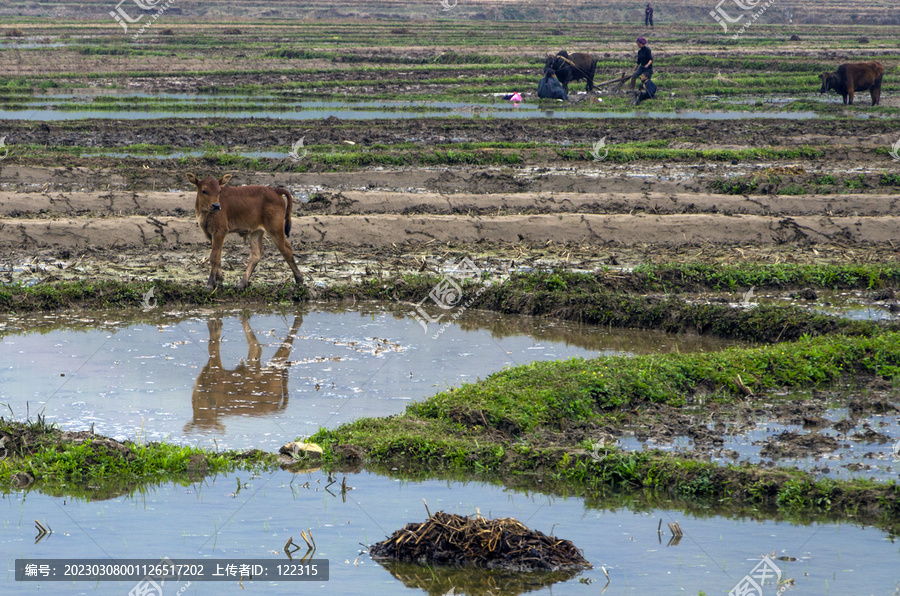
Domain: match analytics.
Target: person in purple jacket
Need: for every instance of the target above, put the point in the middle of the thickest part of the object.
(648, 16)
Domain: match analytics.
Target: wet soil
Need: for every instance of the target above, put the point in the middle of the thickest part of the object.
(133, 221)
(709, 426)
(264, 133)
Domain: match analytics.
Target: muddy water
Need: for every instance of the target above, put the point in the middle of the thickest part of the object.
(848, 304)
(854, 453)
(388, 108)
(213, 519)
(239, 380)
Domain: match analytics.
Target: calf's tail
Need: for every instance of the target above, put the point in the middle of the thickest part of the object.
(287, 213)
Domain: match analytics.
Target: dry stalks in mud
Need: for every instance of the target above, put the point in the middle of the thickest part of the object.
(503, 543)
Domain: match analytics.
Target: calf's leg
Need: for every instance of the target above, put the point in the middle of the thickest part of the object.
(256, 250)
(254, 350)
(215, 262)
(284, 247)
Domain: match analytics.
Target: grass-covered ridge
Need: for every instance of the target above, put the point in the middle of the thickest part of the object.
(93, 466)
(552, 394)
(115, 294)
(647, 297)
(719, 277)
(460, 430)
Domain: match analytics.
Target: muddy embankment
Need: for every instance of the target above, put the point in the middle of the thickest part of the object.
(106, 218)
(444, 205)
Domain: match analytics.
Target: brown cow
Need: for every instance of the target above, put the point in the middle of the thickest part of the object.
(853, 77)
(573, 67)
(245, 210)
(249, 389)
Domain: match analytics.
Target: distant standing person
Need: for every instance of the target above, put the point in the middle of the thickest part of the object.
(648, 16)
(644, 62)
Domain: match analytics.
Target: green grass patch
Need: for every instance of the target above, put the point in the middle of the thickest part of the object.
(111, 294)
(92, 466)
(551, 393)
(456, 431)
(733, 278)
(793, 189)
(890, 180)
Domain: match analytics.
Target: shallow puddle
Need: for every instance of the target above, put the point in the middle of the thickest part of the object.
(231, 379)
(240, 517)
(823, 451)
(784, 99)
(848, 304)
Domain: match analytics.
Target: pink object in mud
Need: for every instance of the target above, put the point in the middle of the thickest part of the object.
(515, 98)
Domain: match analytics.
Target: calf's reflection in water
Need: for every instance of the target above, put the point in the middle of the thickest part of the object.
(249, 389)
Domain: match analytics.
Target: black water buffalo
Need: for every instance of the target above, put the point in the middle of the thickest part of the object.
(573, 67)
(853, 77)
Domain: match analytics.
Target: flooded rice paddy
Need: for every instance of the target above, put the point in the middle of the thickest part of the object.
(230, 378)
(241, 517)
(239, 380)
(58, 107)
(848, 304)
(847, 445)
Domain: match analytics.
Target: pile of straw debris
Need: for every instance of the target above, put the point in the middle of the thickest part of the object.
(496, 544)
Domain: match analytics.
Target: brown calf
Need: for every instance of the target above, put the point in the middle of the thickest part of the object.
(244, 210)
(852, 77)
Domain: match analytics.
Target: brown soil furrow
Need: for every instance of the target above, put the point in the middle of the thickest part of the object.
(381, 230)
(360, 202)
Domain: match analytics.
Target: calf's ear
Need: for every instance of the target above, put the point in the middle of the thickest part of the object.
(224, 179)
(193, 179)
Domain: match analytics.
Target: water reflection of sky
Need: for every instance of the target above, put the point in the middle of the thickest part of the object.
(141, 379)
(154, 380)
(213, 520)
